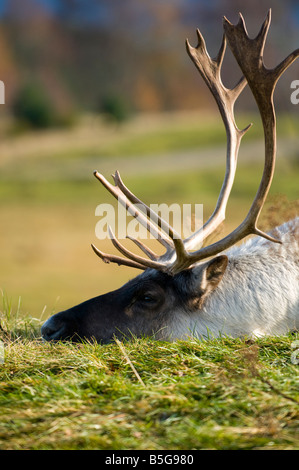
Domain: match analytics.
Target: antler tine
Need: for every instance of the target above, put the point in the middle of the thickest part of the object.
(116, 259)
(149, 212)
(132, 204)
(177, 242)
(150, 254)
(225, 98)
(148, 263)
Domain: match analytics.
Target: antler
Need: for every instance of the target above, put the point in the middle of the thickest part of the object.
(262, 81)
(225, 98)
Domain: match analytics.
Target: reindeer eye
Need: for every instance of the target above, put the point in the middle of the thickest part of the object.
(147, 298)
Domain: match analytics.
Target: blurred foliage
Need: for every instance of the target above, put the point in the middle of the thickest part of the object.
(83, 51)
(33, 108)
(115, 108)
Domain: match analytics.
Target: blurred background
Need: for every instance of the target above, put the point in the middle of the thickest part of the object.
(106, 85)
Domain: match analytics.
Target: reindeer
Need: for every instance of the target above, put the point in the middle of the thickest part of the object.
(219, 289)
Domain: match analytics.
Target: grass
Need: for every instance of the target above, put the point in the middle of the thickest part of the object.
(215, 394)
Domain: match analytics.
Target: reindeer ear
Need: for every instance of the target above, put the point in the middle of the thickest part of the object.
(205, 278)
(211, 274)
(215, 270)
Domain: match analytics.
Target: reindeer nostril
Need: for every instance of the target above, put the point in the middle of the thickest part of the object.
(51, 331)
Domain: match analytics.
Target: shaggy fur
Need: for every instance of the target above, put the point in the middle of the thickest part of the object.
(258, 294)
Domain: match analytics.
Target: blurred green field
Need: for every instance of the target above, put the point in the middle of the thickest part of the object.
(48, 195)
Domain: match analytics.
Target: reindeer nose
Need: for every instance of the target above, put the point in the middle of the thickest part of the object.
(52, 330)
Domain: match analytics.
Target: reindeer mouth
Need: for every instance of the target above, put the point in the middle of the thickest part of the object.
(52, 331)
(57, 329)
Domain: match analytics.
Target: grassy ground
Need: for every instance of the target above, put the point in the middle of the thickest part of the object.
(216, 394)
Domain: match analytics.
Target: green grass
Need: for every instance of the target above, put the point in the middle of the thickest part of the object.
(215, 394)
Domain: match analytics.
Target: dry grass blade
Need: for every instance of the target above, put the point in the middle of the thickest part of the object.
(121, 347)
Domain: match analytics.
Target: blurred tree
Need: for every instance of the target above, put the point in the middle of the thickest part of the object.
(81, 50)
(33, 108)
(115, 108)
